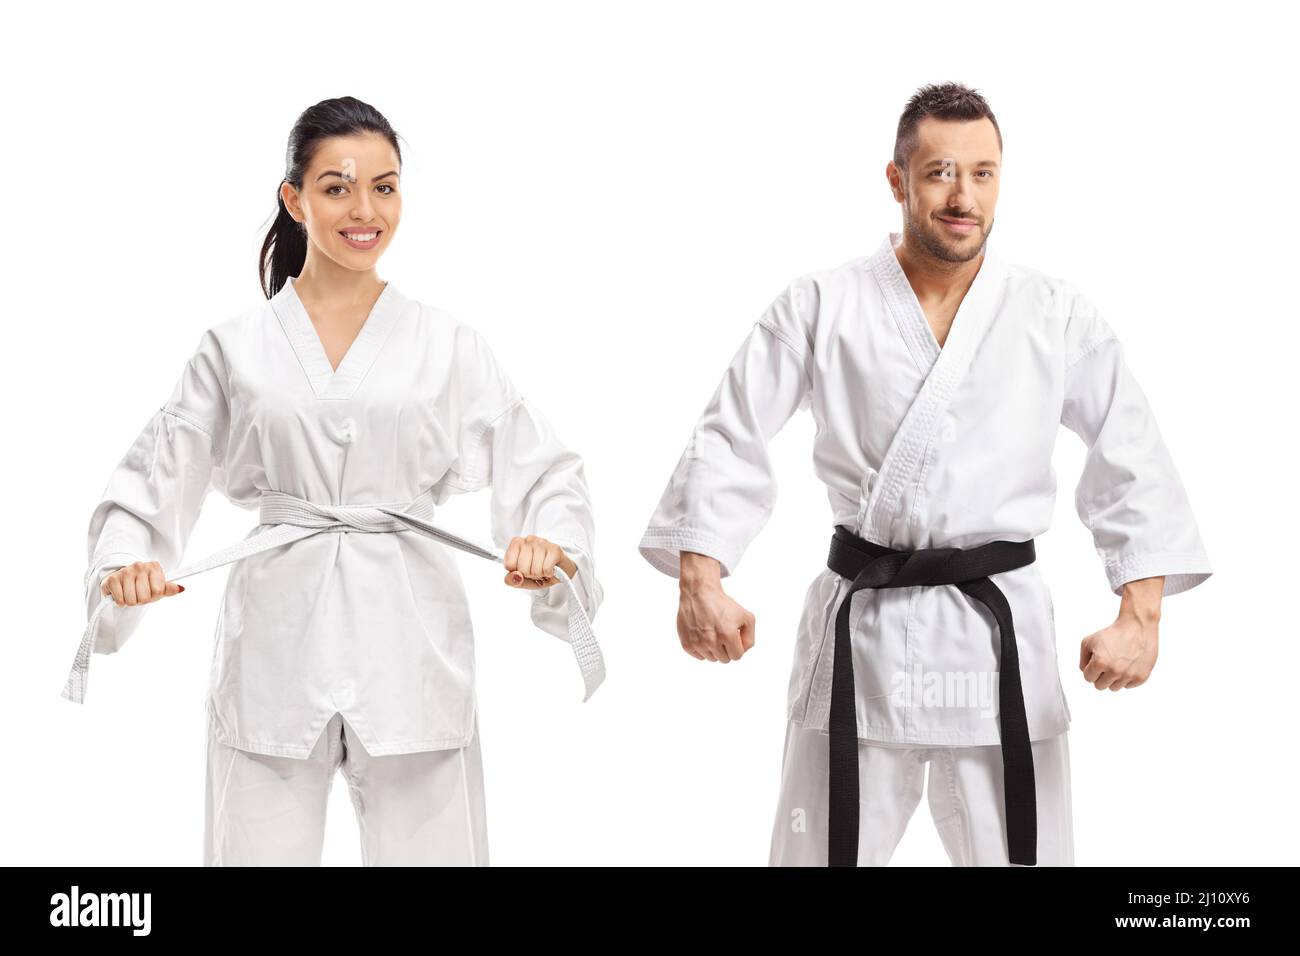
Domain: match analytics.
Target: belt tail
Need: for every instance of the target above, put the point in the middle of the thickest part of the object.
(74, 689)
(431, 530)
(1020, 795)
(582, 638)
(844, 797)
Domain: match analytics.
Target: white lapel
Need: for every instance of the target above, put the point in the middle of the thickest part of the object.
(327, 382)
(943, 369)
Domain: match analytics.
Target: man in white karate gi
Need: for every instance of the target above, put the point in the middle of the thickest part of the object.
(939, 376)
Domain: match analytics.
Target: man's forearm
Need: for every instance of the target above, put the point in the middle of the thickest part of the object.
(1141, 599)
(699, 571)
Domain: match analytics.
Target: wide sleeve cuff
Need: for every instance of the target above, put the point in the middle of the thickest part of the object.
(1182, 571)
(662, 547)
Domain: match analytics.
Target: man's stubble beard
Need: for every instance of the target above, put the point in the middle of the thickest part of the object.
(922, 239)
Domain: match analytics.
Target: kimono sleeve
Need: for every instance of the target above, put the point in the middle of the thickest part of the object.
(154, 494)
(1129, 494)
(538, 485)
(723, 489)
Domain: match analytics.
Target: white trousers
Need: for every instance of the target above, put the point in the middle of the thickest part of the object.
(418, 809)
(966, 800)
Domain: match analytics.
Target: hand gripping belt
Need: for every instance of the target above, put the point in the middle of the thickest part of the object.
(294, 518)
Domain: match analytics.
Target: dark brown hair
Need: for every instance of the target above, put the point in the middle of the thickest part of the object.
(945, 101)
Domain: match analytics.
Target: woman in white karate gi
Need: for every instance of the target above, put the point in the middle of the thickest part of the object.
(350, 645)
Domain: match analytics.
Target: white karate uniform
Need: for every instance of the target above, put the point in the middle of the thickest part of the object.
(371, 626)
(926, 447)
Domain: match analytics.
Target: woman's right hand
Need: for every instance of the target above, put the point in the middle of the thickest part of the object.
(141, 582)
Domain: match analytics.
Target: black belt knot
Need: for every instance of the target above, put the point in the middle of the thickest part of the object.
(870, 565)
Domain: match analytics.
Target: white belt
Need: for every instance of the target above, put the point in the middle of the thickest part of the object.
(295, 518)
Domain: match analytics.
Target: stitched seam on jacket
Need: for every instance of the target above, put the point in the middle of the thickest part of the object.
(1088, 350)
(472, 477)
(784, 339)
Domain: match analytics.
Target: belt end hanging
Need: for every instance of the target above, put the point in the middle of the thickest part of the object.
(74, 689)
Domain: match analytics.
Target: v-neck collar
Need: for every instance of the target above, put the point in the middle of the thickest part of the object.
(906, 307)
(942, 372)
(326, 381)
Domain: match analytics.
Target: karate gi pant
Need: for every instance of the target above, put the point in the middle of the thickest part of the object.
(965, 797)
(416, 809)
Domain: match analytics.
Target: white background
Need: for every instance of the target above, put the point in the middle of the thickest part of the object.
(613, 193)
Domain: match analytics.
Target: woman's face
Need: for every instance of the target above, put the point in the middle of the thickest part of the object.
(350, 200)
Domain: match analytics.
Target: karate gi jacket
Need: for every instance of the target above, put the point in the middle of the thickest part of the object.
(375, 626)
(922, 446)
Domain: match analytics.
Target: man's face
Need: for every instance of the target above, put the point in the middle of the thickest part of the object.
(950, 188)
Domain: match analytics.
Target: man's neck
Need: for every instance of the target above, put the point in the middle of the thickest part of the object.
(933, 279)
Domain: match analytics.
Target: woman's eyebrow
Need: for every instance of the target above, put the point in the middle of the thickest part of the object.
(335, 172)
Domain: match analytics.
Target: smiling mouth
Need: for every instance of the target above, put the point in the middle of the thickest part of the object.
(959, 225)
(361, 240)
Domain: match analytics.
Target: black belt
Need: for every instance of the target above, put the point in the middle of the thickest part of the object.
(869, 565)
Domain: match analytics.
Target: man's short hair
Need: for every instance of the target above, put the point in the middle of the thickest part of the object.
(945, 101)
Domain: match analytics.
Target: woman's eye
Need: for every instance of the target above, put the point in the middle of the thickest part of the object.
(389, 187)
(331, 192)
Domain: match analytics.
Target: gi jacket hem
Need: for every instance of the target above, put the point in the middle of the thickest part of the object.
(819, 721)
(358, 724)
(302, 753)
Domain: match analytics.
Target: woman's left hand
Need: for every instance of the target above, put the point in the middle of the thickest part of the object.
(530, 563)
